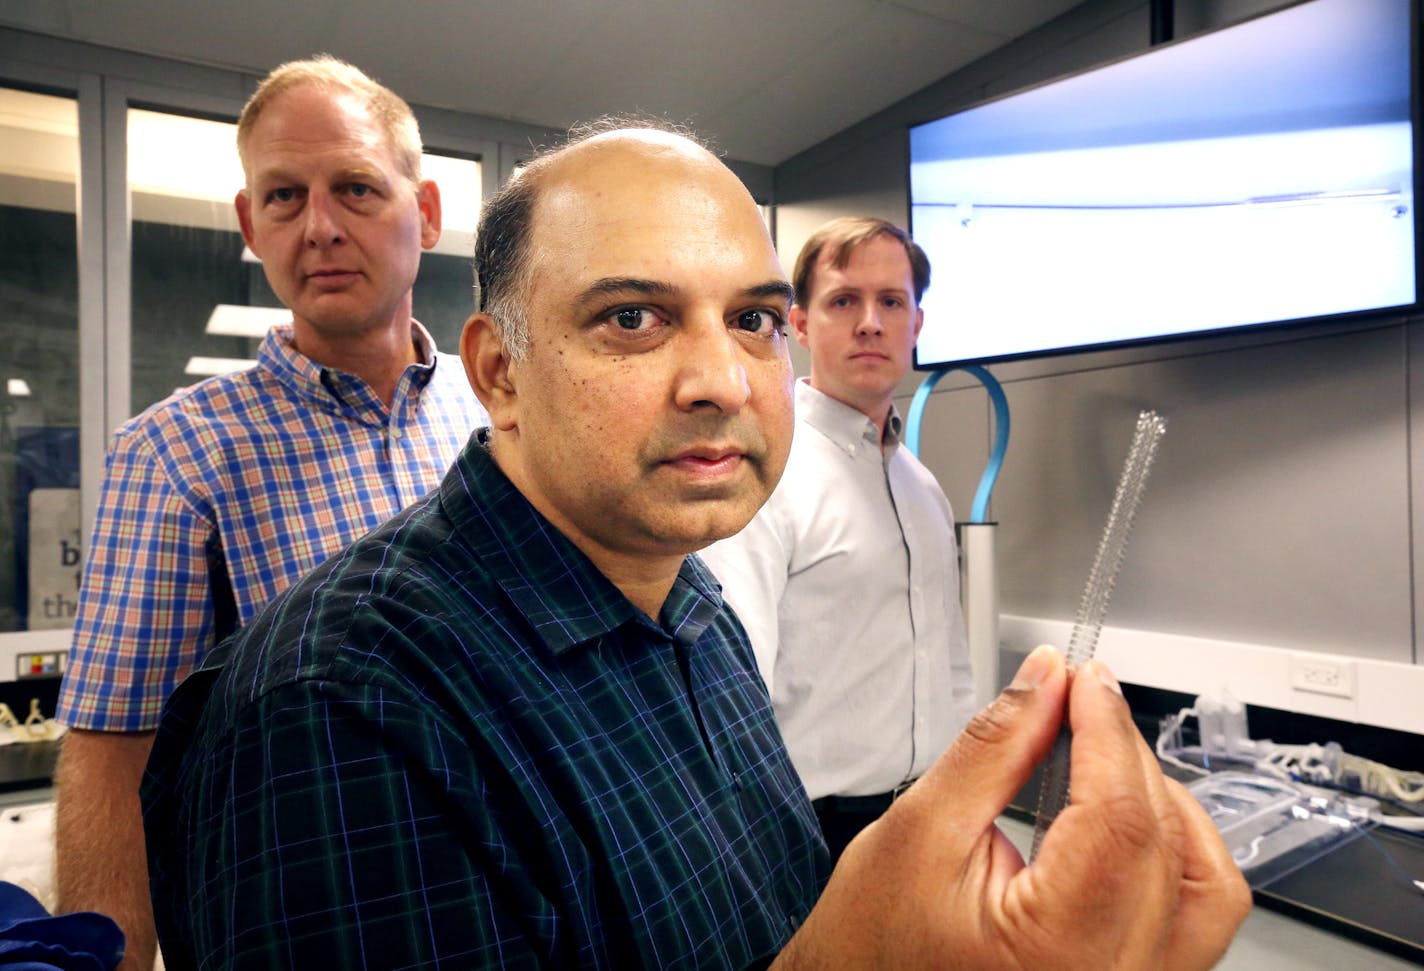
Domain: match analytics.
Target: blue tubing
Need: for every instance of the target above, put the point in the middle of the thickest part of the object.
(1001, 430)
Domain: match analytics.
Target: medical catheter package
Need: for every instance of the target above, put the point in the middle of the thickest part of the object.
(1273, 826)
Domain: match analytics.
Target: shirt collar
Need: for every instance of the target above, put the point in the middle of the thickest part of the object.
(549, 580)
(847, 428)
(334, 388)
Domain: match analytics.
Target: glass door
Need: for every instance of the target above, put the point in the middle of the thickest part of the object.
(40, 545)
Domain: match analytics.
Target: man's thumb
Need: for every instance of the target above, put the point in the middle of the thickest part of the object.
(996, 753)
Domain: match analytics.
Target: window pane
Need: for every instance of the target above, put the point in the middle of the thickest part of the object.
(188, 256)
(39, 368)
(444, 289)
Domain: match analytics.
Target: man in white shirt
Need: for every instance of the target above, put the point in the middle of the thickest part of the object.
(847, 579)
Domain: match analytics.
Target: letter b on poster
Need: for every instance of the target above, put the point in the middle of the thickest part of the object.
(56, 558)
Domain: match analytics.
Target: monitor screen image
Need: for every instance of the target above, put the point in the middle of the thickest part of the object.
(1259, 174)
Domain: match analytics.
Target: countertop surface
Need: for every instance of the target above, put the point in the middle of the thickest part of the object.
(1270, 940)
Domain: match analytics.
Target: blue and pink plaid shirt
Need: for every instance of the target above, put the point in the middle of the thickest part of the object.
(219, 497)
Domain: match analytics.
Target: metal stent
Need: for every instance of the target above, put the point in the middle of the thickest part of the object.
(1053, 795)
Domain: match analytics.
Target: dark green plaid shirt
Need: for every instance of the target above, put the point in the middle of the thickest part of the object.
(457, 745)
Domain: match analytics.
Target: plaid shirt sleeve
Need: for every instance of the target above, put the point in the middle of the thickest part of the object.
(145, 608)
(331, 834)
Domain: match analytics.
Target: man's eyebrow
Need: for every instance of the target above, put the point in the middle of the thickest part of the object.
(272, 173)
(349, 173)
(772, 289)
(612, 285)
(615, 285)
(360, 173)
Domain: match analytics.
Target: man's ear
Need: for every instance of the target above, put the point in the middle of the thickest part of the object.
(427, 197)
(243, 204)
(797, 318)
(488, 368)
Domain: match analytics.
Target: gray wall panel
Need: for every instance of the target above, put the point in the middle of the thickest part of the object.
(1277, 512)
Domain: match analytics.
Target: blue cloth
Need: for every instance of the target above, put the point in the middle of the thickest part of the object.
(33, 940)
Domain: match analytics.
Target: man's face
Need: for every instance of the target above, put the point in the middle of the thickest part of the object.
(860, 324)
(338, 227)
(652, 412)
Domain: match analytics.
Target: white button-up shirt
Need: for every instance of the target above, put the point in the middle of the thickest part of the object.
(847, 582)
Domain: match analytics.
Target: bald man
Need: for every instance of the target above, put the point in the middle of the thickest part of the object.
(517, 727)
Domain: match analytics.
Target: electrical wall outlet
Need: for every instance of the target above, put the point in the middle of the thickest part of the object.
(1323, 675)
(43, 664)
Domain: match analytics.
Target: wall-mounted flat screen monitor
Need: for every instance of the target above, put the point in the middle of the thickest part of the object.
(1260, 174)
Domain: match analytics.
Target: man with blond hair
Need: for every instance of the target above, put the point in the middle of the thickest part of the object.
(217, 498)
(847, 579)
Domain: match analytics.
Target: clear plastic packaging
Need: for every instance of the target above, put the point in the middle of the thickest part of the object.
(1273, 827)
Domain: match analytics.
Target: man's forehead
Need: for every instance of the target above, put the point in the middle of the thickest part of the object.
(334, 135)
(879, 250)
(616, 188)
(601, 174)
(314, 115)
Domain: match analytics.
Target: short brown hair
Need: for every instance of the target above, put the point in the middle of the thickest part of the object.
(332, 74)
(841, 236)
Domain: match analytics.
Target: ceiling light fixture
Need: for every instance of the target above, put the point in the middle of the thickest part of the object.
(205, 366)
(232, 320)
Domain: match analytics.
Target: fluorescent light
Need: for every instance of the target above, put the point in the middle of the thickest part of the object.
(216, 365)
(231, 320)
(18, 388)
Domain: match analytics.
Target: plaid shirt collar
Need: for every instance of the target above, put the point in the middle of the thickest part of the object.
(336, 390)
(549, 580)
